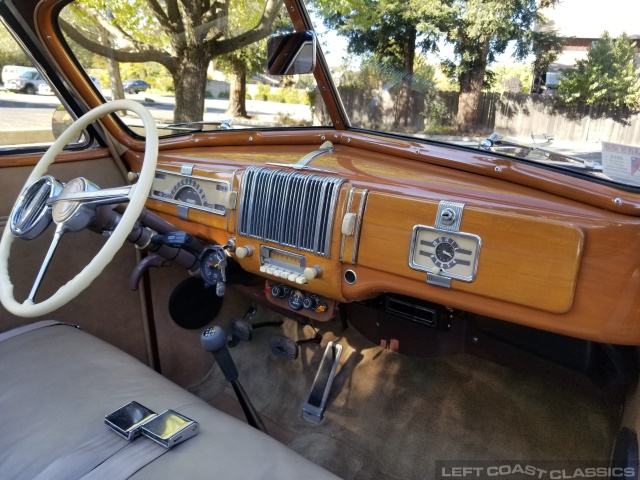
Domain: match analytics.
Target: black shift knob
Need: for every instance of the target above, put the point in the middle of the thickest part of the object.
(214, 340)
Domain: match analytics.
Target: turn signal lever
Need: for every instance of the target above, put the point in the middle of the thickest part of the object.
(214, 340)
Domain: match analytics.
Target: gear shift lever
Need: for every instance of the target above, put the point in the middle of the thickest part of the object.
(214, 340)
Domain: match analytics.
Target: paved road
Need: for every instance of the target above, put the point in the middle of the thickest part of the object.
(20, 111)
(32, 112)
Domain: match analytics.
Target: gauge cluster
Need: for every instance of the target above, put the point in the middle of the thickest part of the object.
(190, 191)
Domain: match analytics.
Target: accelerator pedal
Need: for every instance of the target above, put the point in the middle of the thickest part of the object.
(314, 409)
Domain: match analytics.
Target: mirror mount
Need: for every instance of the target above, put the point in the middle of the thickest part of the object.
(292, 54)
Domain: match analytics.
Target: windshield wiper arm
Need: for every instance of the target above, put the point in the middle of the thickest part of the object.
(532, 151)
(223, 124)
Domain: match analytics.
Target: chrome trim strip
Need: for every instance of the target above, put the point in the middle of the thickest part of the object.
(356, 238)
(347, 210)
(195, 177)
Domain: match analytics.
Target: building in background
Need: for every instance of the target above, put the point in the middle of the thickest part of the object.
(582, 22)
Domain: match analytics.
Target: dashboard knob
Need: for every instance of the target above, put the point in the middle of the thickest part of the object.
(279, 290)
(312, 272)
(242, 252)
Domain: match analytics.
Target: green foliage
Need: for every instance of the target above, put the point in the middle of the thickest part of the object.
(515, 78)
(546, 48)
(264, 91)
(479, 30)
(289, 95)
(437, 115)
(10, 52)
(374, 75)
(608, 76)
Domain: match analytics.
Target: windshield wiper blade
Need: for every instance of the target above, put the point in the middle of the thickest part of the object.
(532, 151)
(223, 124)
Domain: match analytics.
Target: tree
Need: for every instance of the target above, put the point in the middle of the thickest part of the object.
(183, 36)
(546, 48)
(239, 64)
(387, 31)
(479, 30)
(10, 52)
(608, 76)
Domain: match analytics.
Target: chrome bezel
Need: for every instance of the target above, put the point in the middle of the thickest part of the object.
(444, 272)
(40, 191)
(189, 206)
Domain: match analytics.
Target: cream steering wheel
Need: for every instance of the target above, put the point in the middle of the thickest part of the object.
(69, 201)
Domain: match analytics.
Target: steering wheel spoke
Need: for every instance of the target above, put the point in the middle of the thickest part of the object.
(65, 205)
(104, 196)
(45, 263)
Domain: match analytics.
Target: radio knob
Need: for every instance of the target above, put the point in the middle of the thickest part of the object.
(312, 272)
(270, 270)
(292, 277)
(301, 280)
(242, 252)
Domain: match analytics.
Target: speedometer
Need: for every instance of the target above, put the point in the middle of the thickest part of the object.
(192, 191)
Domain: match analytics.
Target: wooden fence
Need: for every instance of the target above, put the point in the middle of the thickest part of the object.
(517, 115)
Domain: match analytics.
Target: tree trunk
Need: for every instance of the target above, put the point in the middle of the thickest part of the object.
(238, 94)
(190, 81)
(469, 100)
(471, 89)
(113, 67)
(404, 104)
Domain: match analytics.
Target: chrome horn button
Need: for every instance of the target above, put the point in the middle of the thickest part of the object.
(31, 215)
(71, 212)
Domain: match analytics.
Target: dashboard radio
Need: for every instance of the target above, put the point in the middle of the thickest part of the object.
(282, 264)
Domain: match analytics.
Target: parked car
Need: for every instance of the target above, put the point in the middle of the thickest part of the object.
(135, 86)
(27, 83)
(325, 290)
(14, 71)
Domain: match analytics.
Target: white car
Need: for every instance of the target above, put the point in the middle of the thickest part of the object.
(45, 88)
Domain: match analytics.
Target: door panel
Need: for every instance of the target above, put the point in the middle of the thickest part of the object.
(107, 309)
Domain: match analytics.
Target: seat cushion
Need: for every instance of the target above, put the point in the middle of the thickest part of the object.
(57, 384)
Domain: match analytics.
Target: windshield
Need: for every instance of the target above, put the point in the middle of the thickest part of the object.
(547, 74)
(194, 65)
(543, 81)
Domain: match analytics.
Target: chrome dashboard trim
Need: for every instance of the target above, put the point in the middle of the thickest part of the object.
(442, 272)
(290, 209)
(356, 238)
(195, 177)
(347, 210)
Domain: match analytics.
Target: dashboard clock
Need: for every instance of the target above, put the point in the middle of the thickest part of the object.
(449, 254)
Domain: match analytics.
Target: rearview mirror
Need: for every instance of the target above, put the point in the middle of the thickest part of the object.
(291, 54)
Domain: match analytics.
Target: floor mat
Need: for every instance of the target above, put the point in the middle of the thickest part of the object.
(393, 416)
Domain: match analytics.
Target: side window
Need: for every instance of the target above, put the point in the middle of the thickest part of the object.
(31, 114)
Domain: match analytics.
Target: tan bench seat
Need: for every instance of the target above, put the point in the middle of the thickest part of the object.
(57, 384)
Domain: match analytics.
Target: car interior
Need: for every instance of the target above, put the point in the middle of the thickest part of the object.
(301, 302)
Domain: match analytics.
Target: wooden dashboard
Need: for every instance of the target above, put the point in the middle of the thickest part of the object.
(558, 262)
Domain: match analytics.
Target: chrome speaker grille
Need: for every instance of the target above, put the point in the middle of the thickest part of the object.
(289, 208)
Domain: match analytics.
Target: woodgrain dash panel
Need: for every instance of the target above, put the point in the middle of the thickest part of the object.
(524, 260)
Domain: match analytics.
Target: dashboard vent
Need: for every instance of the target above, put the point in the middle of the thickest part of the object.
(289, 208)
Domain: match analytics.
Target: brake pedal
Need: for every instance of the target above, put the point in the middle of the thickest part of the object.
(284, 347)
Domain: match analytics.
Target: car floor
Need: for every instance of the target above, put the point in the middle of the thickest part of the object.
(393, 416)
